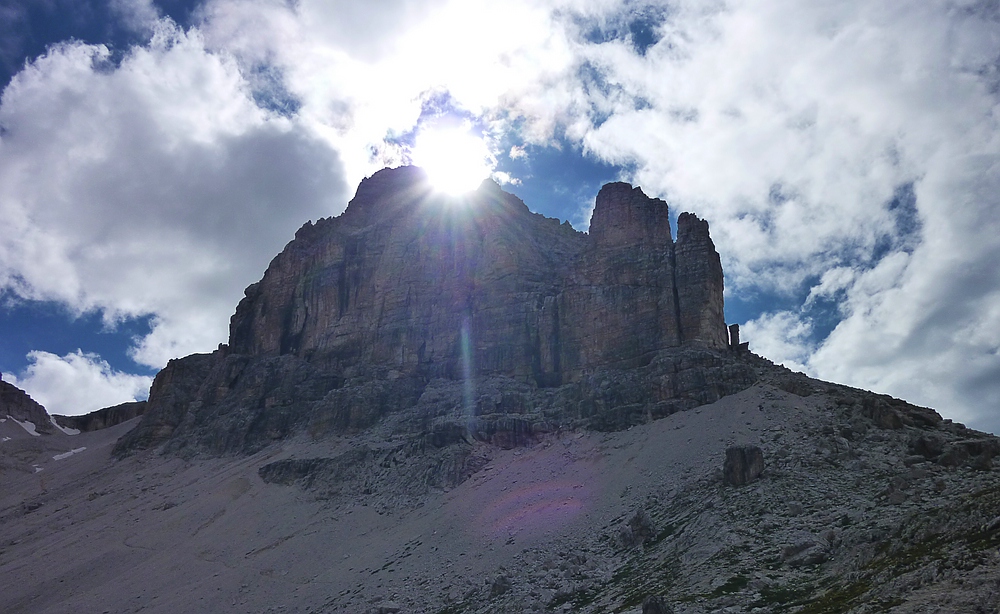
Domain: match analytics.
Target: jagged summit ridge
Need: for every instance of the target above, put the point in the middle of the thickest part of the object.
(394, 280)
(15, 403)
(360, 313)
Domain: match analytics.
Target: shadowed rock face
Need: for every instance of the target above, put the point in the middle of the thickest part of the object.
(16, 403)
(102, 418)
(360, 312)
(699, 284)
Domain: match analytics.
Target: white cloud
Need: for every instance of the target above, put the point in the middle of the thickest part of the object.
(783, 337)
(152, 187)
(924, 325)
(139, 15)
(78, 383)
(364, 73)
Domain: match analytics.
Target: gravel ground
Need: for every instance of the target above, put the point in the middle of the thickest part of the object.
(581, 521)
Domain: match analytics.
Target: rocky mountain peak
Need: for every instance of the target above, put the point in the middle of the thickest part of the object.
(625, 216)
(388, 191)
(699, 284)
(361, 314)
(15, 403)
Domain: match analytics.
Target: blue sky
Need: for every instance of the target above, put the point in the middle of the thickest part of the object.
(155, 155)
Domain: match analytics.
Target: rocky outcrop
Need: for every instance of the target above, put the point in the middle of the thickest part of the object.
(743, 465)
(619, 303)
(699, 285)
(656, 604)
(637, 531)
(102, 418)
(16, 403)
(408, 291)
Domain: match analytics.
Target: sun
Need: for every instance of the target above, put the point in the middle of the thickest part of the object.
(455, 160)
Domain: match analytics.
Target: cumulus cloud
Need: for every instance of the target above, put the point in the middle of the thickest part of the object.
(139, 15)
(781, 336)
(493, 61)
(78, 383)
(155, 186)
(922, 325)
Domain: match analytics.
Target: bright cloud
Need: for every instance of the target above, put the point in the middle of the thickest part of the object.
(78, 383)
(782, 336)
(153, 187)
(456, 160)
(492, 60)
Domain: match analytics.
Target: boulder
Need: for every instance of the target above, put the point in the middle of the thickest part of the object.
(500, 585)
(743, 465)
(637, 531)
(656, 604)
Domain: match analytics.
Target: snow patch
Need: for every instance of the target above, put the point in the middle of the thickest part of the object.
(65, 429)
(68, 454)
(5, 438)
(26, 425)
(37, 468)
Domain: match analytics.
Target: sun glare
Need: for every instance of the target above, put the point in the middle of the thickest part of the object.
(455, 160)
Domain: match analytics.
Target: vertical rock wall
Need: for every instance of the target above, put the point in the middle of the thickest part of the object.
(397, 277)
(16, 403)
(358, 313)
(699, 285)
(619, 299)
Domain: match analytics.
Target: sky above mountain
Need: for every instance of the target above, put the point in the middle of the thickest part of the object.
(154, 156)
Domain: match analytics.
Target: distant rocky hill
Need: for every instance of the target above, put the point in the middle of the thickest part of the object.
(480, 319)
(102, 418)
(16, 404)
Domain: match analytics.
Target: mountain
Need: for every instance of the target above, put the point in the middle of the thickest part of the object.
(459, 319)
(102, 418)
(446, 405)
(15, 404)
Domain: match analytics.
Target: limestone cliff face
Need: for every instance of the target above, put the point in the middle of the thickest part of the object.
(361, 312)
(699, 284)
(414, 282)
(402, 279)
(102, 418)
(16, 404)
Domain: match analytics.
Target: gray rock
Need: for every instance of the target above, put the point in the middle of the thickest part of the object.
(637, 531)
(499, 586)
(699, 284)
(103, 418)
(16, 403)
(656, 604)
(743, 465)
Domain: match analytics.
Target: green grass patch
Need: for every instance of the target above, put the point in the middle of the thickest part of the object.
(836, 600)
(772, 596)
(732, 585)
(578, 599)
(664, 533)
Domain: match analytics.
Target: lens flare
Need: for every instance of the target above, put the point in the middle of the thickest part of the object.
(456, 161)
(468, 384)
